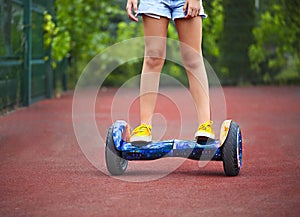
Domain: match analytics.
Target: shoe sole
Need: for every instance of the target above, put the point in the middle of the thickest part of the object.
(141, 139)
(204, 134)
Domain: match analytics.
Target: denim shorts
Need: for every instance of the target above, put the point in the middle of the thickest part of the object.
(172, 9)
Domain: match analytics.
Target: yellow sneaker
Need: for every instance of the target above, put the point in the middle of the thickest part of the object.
(141, 134)
(205, 130)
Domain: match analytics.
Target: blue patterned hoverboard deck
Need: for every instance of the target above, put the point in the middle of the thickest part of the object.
(168, 148)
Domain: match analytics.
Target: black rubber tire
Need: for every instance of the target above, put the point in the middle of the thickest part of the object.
(114, 163)
(231, 149)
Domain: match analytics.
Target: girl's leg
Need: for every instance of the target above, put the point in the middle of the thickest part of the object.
(155, 32)
(155, 52)
(190, 36)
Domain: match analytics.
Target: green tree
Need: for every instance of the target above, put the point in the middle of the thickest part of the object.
(236, 38)
(5, 26)
(292, 17)
(212, 31)
(83, 29)
(275, 54)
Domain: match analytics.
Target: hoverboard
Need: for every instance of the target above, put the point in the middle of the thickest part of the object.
(228, 148)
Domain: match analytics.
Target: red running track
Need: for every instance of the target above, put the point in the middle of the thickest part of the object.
(44, 173)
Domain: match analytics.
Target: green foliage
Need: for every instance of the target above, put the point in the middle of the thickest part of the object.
(56, 37)
(212, 30)
(125, 30)
(275, 46)
(83, 29)
(49, 29)
(236, 37)
(128, 30)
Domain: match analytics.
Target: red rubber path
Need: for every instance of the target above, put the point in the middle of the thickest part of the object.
(44, 173)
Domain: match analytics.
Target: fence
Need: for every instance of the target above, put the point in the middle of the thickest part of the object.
(25, 74)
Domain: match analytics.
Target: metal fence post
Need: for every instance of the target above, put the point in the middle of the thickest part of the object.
(49, 75)
(27, 53)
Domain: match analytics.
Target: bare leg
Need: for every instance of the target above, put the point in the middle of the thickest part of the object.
(190, 36)
(155, 32)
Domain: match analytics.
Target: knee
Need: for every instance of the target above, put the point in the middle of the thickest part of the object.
(192, 61)
(191, 66)
(154, 58)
